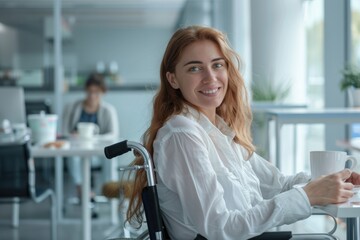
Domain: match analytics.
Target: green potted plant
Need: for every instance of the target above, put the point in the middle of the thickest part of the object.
(268, 92)
(351, 82)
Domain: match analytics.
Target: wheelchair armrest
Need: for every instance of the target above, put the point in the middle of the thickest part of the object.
(265, 236)
(273, 236)
(319, 212)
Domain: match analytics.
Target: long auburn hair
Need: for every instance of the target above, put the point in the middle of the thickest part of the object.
(235, 108)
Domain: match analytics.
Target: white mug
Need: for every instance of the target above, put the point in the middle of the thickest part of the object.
(19, 129)
(87, 130)
(328, 162)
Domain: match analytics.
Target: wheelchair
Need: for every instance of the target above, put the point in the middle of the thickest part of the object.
(156, 228)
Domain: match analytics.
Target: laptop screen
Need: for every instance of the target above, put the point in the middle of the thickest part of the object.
(12, 104)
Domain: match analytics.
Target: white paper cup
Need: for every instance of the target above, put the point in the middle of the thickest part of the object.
(43, 127)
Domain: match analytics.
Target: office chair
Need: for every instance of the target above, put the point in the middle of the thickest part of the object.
(156, 228)
(17, 180)
(36, 106)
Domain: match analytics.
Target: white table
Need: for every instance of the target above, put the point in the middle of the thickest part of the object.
(343, 209)
(307, 116)
(85, 150)
(265, 106)
(349, 210)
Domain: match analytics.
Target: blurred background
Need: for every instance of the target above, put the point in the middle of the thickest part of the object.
(296, 49)
(293, 53)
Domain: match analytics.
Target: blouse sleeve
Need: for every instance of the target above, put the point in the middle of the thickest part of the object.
(183, 164)
(272, 181)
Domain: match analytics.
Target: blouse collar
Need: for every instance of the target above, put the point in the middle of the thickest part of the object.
(208, 126)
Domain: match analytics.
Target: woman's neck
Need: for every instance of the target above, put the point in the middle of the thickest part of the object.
(90, 107)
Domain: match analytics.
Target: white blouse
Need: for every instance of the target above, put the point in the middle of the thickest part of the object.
(206, 186)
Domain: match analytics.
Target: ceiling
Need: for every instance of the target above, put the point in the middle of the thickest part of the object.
(30, 15)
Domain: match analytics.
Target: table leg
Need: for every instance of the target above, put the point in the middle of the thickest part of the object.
(356, 228)
(351, 229)
(268, 147)
(295, 150)
(15, 213)
(86, 218)
(59, 190)
(277, 144)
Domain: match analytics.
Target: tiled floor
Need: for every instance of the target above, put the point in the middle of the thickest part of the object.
(35, 225)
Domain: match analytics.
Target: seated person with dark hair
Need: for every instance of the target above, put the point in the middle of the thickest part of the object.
(91, 109)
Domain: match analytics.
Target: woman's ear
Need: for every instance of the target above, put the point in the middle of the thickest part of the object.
(172, 80)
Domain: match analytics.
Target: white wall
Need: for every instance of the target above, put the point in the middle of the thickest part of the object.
(137, 51)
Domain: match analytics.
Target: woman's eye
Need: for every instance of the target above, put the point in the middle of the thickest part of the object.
(218, 65)
(194, 69)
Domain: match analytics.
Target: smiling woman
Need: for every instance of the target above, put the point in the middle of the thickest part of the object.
(201, 78)
(210, 181)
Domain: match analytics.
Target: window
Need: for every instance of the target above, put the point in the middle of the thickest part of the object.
(355, 50)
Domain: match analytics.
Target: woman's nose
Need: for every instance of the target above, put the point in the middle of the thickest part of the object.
(209, 75)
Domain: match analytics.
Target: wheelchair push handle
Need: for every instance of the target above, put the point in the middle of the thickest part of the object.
(120, 148)
(116, 149)
(149, 193)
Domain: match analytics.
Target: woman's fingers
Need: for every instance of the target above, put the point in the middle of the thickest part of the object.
(354, 178)
(345, 174)
(348, 186)
(345, 195)
(344, 189)
(330, 189)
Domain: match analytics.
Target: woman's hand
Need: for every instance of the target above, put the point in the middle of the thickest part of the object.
(330, 189)
(354, 178)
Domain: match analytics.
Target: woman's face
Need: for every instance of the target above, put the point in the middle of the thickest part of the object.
(202, 77)
(93, 94)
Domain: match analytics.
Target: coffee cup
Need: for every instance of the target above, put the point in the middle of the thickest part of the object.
(328, 162)
(19, 129)
(87, 130)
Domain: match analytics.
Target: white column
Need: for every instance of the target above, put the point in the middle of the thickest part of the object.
(336, 37)
(196, 12)
(58, 65)
(278, 44)
(58, 87)
(278, 56)
(233, 18)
